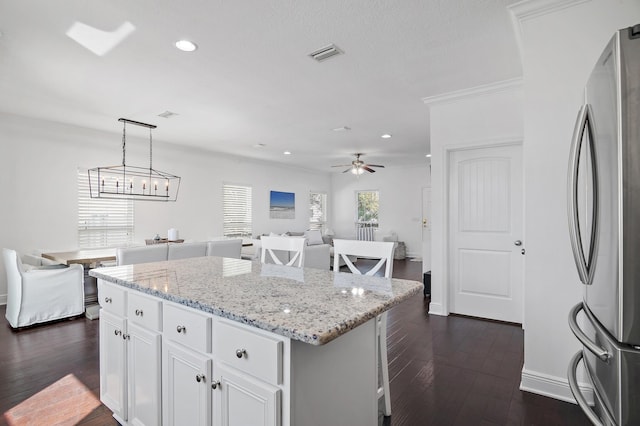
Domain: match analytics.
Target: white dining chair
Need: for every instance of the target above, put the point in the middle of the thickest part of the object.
(383, 251)
(288, 251)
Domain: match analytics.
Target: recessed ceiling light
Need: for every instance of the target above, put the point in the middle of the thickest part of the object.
(386, 136)
(186, 45)
(428, 155)
(287, 153)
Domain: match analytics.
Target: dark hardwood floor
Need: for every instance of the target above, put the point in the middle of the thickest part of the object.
(444, 370)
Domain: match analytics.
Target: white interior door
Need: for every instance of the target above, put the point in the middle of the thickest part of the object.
(426, 229)
(485, 229)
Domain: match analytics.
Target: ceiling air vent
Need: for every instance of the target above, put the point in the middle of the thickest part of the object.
(167, 114)
(326, 52)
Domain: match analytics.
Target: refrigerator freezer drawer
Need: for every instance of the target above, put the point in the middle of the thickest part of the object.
(616, 376)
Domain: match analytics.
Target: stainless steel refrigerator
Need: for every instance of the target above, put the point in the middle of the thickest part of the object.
(604, 224)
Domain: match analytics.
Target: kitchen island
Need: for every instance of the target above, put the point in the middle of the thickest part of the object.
(232, 342)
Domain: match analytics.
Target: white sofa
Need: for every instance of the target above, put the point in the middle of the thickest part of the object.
(39, 290)
(160, 252)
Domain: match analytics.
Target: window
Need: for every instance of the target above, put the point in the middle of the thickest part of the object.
(318, 210)
(236, 202)
(367, 204)
(102, 222)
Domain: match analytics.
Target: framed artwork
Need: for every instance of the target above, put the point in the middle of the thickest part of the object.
(282, 205)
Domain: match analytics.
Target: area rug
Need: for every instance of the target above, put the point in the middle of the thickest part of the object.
(64, 402)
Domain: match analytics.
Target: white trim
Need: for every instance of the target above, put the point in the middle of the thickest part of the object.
(436, 309)
(552, 386)
(482, 90)
(3, 299)
(532, 9)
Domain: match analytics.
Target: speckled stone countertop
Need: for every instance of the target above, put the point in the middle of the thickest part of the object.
(311, 305)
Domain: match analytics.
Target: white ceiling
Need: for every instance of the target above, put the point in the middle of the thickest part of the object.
(251, 80)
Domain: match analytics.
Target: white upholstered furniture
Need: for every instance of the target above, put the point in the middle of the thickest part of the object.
(160, 252)
(288, 251)
(384, 252)
(40, 291)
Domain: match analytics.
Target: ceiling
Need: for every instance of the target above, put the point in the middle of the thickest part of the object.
(251, 80)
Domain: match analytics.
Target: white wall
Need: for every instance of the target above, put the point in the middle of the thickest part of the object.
(38, 186)
(560, 49)
(479, 116)
(400, 202)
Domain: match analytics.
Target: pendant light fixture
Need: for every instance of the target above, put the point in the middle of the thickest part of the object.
(132, 182)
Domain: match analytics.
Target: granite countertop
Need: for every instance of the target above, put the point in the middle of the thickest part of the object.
(310, 305)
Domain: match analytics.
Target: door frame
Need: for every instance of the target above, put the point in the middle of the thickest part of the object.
(448, 150)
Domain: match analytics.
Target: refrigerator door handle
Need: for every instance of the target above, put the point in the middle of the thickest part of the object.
(585, 267)
(580, 399)
(601, 353)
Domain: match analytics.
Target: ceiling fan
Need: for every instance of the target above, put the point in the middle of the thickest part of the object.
(357, 166)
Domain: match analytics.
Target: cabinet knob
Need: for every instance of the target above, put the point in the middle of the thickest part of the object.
(117, 332)
(241, 352)
(181, 329)
(125, 337)
(200, 378)
(216, 385)
(107, 300)
(139, 312)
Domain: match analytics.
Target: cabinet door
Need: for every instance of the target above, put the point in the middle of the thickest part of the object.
(113, 391)
(143, 376)
(186, 385)
(242, 400)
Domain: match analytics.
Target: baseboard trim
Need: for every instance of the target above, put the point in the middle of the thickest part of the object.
(552, 386)
(3, 299)
(436, 309)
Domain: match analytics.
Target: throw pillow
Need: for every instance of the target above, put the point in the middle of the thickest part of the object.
(314, 237)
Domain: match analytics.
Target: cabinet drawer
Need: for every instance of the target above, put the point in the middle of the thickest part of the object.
(112, 298)
(144, 311)
(187, 327)
(248, 351)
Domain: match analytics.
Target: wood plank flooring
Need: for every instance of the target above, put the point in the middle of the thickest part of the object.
(444, 370)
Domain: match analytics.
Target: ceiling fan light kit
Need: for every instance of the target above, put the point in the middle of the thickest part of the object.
(133, 182)
(358, 167)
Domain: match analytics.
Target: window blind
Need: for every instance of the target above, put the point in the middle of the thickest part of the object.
(236, 201)
(102, 222)
(318, 210)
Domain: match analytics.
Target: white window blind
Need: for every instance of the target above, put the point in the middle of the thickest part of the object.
(236, 200)
(318, 210)
(102, 222)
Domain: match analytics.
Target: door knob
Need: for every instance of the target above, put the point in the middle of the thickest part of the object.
(518, 243)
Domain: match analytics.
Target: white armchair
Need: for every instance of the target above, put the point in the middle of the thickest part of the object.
(36, 295)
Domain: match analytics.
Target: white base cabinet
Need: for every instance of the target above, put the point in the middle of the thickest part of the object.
(241, 400)
(164, 363)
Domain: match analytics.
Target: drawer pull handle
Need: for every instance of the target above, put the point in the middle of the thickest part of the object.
(117, 332)
(139, 312)
(241, 352)
(181, 329)
(216, 385)
(107, 300)
(200, 378)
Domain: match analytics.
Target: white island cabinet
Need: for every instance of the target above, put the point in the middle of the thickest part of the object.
(213, 341)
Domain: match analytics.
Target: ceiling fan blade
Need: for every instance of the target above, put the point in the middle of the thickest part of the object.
(368, 169)
(374, 165)
(342, 165)
(348, 170)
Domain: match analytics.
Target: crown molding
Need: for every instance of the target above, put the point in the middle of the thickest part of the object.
(531, 9)
(485, 89)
